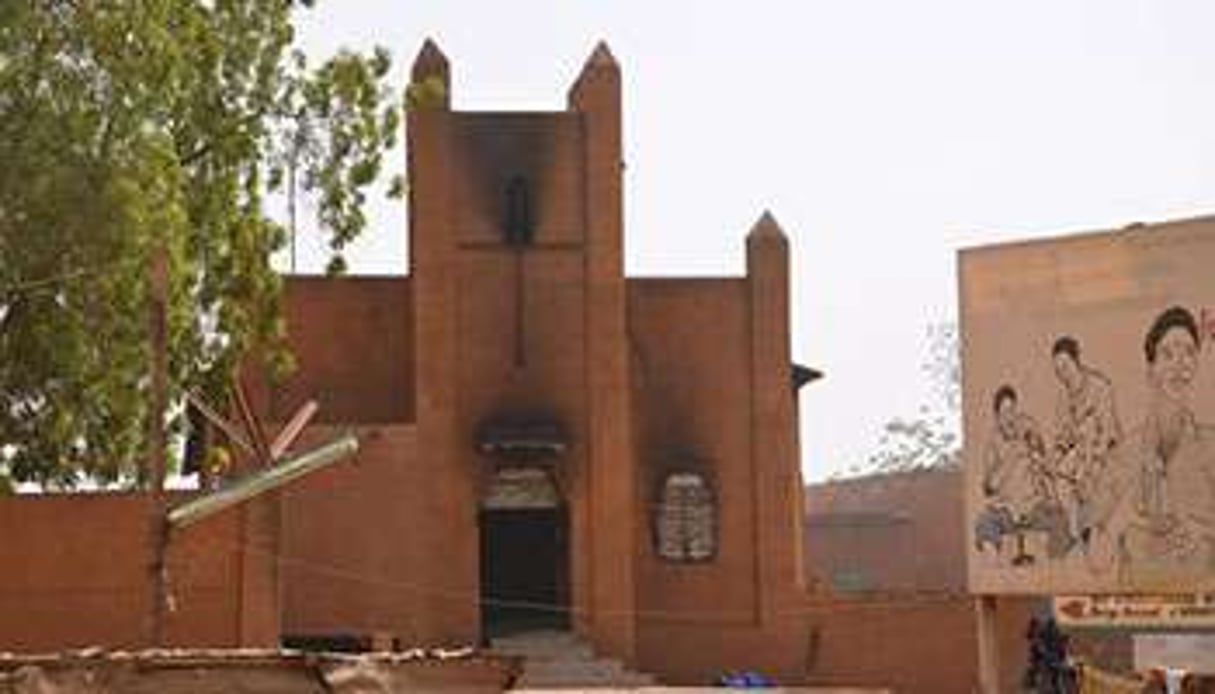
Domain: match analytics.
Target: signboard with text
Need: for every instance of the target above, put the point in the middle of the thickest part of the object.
(1177, 612)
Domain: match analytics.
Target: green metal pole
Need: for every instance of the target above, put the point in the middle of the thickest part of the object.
(261, 482)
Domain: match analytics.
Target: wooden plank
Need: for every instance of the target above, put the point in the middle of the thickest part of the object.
(292, 430)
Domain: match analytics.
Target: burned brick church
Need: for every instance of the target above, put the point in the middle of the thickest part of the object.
(547, 443)
(544, 443)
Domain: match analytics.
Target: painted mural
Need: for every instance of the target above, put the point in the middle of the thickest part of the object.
(1089, 389)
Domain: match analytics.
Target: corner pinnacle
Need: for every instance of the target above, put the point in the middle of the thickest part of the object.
(602, 57)
(430, 78)
(766, 229)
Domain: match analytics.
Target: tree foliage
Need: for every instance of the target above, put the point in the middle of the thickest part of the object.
(129, 127)
(929, 439)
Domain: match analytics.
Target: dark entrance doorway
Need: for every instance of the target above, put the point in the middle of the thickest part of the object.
(524, 570)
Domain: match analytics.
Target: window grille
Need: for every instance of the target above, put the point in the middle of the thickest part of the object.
(686, 519)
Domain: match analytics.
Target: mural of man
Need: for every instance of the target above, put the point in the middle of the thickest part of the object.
(1087, 434)
(1172, 497)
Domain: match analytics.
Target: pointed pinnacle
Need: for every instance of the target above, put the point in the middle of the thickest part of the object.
(602, 57)
(600, 75)
(429, 61)
(766, 229)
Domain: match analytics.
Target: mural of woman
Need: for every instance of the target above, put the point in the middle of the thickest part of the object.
(1087, 436)
(1170, 508)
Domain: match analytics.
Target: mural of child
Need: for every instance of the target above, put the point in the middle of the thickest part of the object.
(1019, 493)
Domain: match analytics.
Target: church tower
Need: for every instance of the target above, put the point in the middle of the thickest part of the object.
(521, 356)
(544, 443)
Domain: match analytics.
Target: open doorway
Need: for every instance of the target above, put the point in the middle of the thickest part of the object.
(524, 570)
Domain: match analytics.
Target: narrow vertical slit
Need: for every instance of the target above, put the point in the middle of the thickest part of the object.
(520, 309)
(518, 231)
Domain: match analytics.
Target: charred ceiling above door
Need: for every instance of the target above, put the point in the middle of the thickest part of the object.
(522, 451)
(521, 438)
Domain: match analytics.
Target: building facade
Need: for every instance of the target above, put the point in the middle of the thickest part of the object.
(547, 443)
(888, 532)
(889, 551)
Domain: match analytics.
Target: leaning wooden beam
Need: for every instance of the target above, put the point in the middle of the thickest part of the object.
(252, 425)
(219, 422)
(292, 430)
(262, 481)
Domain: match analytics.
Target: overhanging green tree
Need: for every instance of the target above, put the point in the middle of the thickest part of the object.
(130, 127)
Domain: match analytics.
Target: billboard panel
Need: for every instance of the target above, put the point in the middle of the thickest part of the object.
(1089, 412)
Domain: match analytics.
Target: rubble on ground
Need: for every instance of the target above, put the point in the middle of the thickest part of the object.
(255, 671)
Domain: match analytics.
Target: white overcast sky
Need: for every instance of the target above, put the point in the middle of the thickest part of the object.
(882, 135)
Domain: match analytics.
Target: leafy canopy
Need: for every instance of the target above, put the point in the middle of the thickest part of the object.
(128, 126)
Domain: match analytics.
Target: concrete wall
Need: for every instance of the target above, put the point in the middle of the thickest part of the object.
(894, 532)
(900, 537)
(352, 339)
(712, 394)
(74, 571)
(693, 411)
(546, 150)
(913, 644)
(352, 542)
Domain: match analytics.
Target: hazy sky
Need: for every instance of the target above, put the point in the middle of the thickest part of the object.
(882, 135)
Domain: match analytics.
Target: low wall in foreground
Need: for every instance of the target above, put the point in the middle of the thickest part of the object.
(76, 574)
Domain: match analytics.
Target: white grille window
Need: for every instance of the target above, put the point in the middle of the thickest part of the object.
(686, 519)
